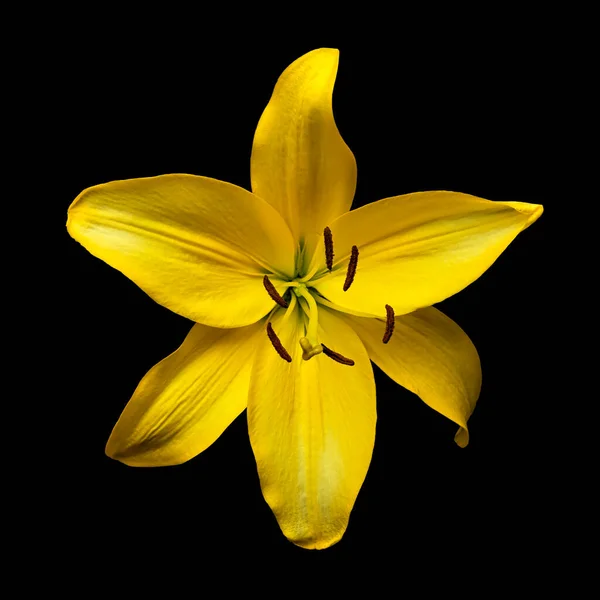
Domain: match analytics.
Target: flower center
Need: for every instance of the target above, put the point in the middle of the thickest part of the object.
(310, 342)
(301, 294)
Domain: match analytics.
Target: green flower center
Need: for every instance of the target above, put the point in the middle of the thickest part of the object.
(304, 292)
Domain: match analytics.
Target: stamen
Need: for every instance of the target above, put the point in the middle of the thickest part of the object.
(277, 343)
(337, 356)
(273, 292)
(389, 324)
(320, 300)
(351, 268)
(328, 247)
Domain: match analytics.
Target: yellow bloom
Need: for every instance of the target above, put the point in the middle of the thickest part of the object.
(293, 296)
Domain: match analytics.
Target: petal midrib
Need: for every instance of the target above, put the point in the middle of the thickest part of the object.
(218, 250)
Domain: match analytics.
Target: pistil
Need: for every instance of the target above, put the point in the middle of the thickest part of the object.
(309, 344)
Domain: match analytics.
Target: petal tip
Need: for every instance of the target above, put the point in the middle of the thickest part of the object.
(318, 543)
(111, 449)
(323, 55)
(71, 225)
(536, 214)
(330, 51)
(119, 452)
(462, 437)
(75, 216)
(532, 211)
(71, 216)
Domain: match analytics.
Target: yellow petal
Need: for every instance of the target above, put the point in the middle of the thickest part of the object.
(430, 355)
(418, 249)
(312, 429)
(300, 163)
(187, 400)
(198, 246)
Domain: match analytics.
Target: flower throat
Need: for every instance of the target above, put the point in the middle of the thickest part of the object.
(300, 293)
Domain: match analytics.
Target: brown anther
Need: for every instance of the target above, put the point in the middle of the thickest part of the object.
(351, 268)
(273, 292)
(389, 323)
(277, 344)
(328, 247)
(337, 356)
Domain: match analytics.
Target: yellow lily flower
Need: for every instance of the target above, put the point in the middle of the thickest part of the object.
(293, 295)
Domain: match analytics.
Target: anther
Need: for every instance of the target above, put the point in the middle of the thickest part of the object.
(337, 356)
(277, 343)
(273, 292)
(351, 268)
(389, 323)
(328, 247)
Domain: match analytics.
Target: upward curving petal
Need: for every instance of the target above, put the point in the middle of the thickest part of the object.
(198, 246)
(300, 163)
(312, 429)
(418, 249)
(185, 402)
(430, 355)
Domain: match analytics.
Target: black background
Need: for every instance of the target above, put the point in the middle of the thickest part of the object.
(458, 109)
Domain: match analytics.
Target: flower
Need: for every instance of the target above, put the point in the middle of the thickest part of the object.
(293, 296)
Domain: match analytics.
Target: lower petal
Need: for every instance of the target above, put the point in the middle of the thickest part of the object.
(430, 355)
(185, 402)
(312, 429)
